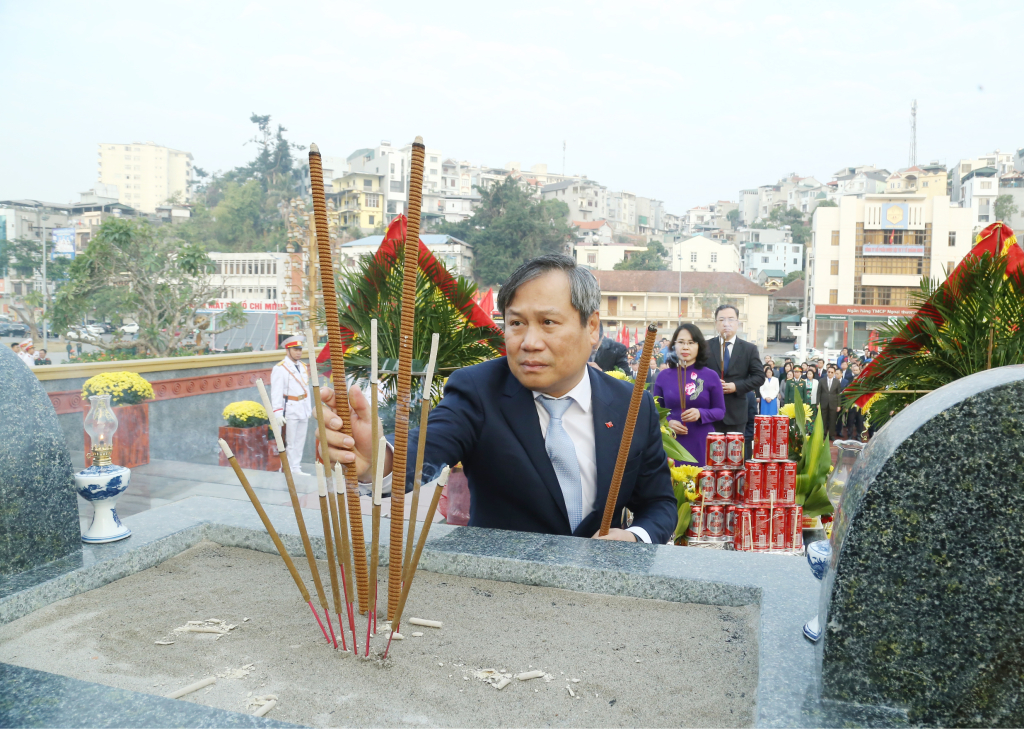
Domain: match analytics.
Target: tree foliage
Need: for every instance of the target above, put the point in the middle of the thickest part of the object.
(653, 259)
(980, 325)
(23, 258)
(733, 216)
(827, 204)
(129, 267)
(1005, 207)
(509, 228)
(239, 210)
(793, 276)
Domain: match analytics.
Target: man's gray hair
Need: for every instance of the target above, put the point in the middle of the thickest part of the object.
(584, 291)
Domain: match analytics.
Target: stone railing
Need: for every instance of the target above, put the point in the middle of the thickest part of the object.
(190, 395)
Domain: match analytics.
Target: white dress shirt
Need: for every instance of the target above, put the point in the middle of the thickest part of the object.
(578, 422)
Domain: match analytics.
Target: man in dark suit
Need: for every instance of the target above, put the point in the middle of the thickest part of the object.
(829, 389)
(738, 364)
(537, 432)
(611, 355)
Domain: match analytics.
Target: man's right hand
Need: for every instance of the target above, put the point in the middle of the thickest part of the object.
(356, 448)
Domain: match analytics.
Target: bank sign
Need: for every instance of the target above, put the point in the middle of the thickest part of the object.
(887, 250)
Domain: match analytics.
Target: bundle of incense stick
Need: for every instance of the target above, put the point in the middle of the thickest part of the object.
(405, 348)
(323, 242)
(421, 445)
(330, 498)
(374, 435)
(321, 484)
(271, 531)
(294, 495)
(378, 486)
(345, 556)
(442, 481)
(627, 432)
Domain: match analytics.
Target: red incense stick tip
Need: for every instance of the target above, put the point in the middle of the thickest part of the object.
(317, 617)
(341, 630)
(333, 640)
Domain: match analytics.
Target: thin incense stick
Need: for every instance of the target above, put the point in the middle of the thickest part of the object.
(345, 557)
(420, 447)
(294, 495)
(323, 242)
(627, 433)
(438, 488)
(321, 484)
(374, 436)
(271, 531)
(378, 484)
(328, 504)
(410, 266)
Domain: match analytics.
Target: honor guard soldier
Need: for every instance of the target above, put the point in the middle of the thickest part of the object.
(291, 400)
(26, 354)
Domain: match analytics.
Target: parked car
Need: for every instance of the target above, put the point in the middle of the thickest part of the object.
(13, 329)
(105, 326)
(81, 333)
(130, 328)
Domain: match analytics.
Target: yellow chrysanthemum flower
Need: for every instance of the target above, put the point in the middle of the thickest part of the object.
(125, 388)
(617, 374)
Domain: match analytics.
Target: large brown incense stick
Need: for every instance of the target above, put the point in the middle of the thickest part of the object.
(627, 432)
(294, 495)
(438, 488)
(328, 503)
(378, 483)
(421, 445)
(374, 435)
(410, 267)
(345, 556)
(321, 484)
(271, 531)
(323, 243)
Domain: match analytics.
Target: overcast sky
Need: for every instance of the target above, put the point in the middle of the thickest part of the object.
(687, 102)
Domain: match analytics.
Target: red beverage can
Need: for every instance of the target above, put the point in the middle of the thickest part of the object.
(734, 449)
(741, 485)
(715, 525)
(787, 489)
(794, 527)
(778, 528)
(730, 521)
(744, 529)
(780, 437)
(755, 481)
(762, 437)
(716, 449)
(759, 537)
(725, 484)
(772, 477)
(706, 484)
(696, 518)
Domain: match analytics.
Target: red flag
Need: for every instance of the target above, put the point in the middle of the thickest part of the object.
(996, 240)
(624, 336)
(387, 255)
(636, 335)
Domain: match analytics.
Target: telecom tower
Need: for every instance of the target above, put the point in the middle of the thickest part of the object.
(913, 133)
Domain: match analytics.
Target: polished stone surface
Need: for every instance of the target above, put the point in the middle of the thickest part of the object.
(780, 584)
(34, 699)
(38, 509)
(923, 599)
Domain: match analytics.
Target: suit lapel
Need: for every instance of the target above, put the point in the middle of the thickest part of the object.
(606, 440)
(521, 413)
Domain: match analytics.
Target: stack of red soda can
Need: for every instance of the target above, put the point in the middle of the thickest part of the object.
(751, 504)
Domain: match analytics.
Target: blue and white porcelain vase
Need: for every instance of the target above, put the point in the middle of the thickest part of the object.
(102, 485)
(819, 554)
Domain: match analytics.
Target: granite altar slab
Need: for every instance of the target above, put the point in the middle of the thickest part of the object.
(38, 507)
(922, 602)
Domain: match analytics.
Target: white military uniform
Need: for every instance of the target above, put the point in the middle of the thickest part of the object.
(292, 401)
(26, 357)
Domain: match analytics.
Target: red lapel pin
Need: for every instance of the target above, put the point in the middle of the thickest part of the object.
(608, 424)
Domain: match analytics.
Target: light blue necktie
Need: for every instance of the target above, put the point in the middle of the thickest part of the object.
(562, 453)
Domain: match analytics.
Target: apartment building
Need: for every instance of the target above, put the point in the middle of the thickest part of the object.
(650, 216)
(605, 256)
(250, 277)
(455, 254)
(587, 200)
(635, 299)
(769, 249)
(622, 212)
(360, 200)
(1000, 162)
(146, 174)
(870, 253)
